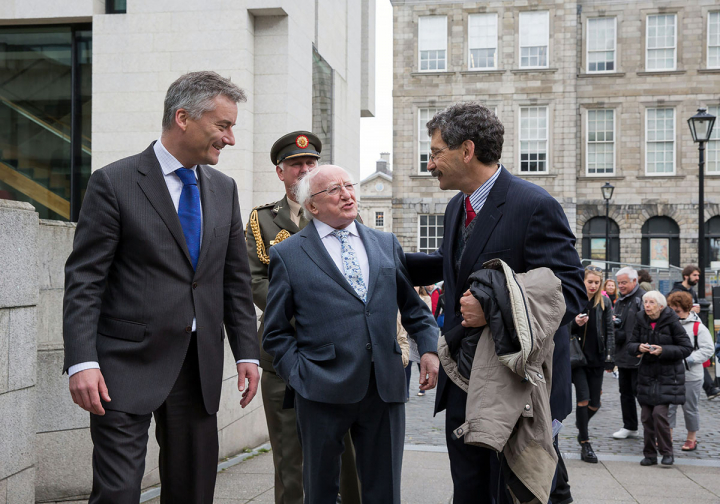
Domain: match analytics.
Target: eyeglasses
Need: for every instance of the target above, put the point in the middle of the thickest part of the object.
(595, 269)
(336, 188)
(433, 155)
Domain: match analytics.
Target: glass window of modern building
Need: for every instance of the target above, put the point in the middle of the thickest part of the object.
(45, 107)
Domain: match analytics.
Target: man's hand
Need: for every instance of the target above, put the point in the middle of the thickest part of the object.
(86, 388)
(249, 371)
(429, 367)
(695, 308)
(472, 312)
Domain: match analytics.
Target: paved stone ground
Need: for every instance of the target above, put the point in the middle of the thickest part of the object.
(609, 419)
(421, 428)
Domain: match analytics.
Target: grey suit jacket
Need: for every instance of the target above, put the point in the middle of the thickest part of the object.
(337, 338)
(131, 292)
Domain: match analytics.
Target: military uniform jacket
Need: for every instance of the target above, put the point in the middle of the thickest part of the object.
(268, 225)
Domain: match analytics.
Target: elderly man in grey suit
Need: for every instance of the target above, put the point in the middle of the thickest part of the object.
(343, 283)
(158, 265)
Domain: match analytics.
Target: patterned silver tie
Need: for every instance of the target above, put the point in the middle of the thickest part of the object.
(351, 265)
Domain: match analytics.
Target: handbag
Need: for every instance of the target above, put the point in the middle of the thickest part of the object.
(577, 356)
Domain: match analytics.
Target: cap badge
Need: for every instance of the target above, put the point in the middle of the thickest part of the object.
(302, 141)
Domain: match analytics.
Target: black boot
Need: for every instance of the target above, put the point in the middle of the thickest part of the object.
(668, 460)
(587, 454)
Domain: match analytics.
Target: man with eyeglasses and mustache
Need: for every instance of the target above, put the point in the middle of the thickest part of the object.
(294, 156)
(342, 284)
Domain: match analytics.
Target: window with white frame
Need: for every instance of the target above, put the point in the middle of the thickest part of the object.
(482, 41)
(430, 234)
(534, 39)
(661, 41)
(432, 43)
(712, 165)
(660, 141)
(533, 139)
(600, 142)
(424, 115)
(601, 44)
(713, 51)
(379, 219)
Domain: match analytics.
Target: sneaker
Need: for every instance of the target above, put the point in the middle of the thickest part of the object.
(587, 454)
(713, 393)
(648, 461)
(625, 433)
(421, 393)
(668, 460)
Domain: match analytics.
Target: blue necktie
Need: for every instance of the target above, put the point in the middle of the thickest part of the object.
(351, 264)
(189, 212)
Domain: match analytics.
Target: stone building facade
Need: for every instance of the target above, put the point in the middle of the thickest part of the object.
(603, 90)
(376, 195)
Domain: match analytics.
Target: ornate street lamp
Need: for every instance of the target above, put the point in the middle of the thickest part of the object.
(607, 192)
(701, 125)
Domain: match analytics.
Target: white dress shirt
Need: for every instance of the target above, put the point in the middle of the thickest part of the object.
(168, 164)
(332, 245)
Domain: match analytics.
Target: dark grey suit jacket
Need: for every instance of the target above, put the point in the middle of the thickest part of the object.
(338, 337)
(131, 292)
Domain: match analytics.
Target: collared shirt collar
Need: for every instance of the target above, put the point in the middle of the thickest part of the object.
(325, 229)
(631, 292)
(294, 207)
(479, 197)
(168, 162)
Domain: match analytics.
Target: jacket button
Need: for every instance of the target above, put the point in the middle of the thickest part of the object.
(194, 285)
(188, 329)
(368, 346)
(457, 313)
(527, 407)
(367, 312)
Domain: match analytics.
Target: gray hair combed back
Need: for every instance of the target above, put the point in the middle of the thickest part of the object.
(627, 270)
(194, 92)
(471, 121)
(303, 189)
(657, 297)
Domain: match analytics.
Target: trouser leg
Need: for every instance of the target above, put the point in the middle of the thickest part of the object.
(560, 493)
(286, 449)
(118, 459)
(581, 416)
(627, 381)
(708, 383)
(649, 449)
(690, 408)
(662, 429)
(408, 374)
(349, 481)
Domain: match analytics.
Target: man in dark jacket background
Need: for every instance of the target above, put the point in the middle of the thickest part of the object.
(626, 308)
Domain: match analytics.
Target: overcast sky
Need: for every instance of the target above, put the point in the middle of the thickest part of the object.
(376, 133)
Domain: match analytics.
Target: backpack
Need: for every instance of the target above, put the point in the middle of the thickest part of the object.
(696, 330)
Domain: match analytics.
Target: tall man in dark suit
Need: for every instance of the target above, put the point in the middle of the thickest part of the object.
(343, 283)
(495, 215)
(158, 265)
(294, 156)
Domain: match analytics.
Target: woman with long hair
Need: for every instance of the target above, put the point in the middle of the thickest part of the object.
(595, 331)
(610, 290)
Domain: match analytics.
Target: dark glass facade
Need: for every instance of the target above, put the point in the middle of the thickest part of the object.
(45, 107)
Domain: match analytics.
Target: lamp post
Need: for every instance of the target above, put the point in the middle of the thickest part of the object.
(701, 125)
(607, 192)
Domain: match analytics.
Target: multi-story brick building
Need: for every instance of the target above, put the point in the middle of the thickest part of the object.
(589, 92)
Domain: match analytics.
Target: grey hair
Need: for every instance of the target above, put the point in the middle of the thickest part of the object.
(627, 270)
(194, 92)
(657, 297)
(470, 121)
(303, 189)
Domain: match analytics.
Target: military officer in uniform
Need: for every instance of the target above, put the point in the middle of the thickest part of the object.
(293, 155)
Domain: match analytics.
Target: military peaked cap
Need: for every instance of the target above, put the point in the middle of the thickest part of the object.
(295, 144)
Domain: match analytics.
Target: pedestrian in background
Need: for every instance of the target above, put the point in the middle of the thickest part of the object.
(645, 280)
(595, 331)
(628, 305)
(610, 290)
(413, 353)
(691, 276)
(662, 344)
(681, 303)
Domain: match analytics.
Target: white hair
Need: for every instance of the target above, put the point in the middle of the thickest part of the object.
(657, 297)
(303, 189)
(630, 272)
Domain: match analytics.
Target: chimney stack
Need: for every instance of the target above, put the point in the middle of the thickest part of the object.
(383, 164)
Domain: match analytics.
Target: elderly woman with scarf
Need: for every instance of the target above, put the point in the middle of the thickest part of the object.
(661, 343)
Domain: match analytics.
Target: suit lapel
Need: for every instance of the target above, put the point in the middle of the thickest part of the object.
(209, 207)
(153, 185)
(453, 219)
(488, 218)
(313, 247)
(371, 249)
